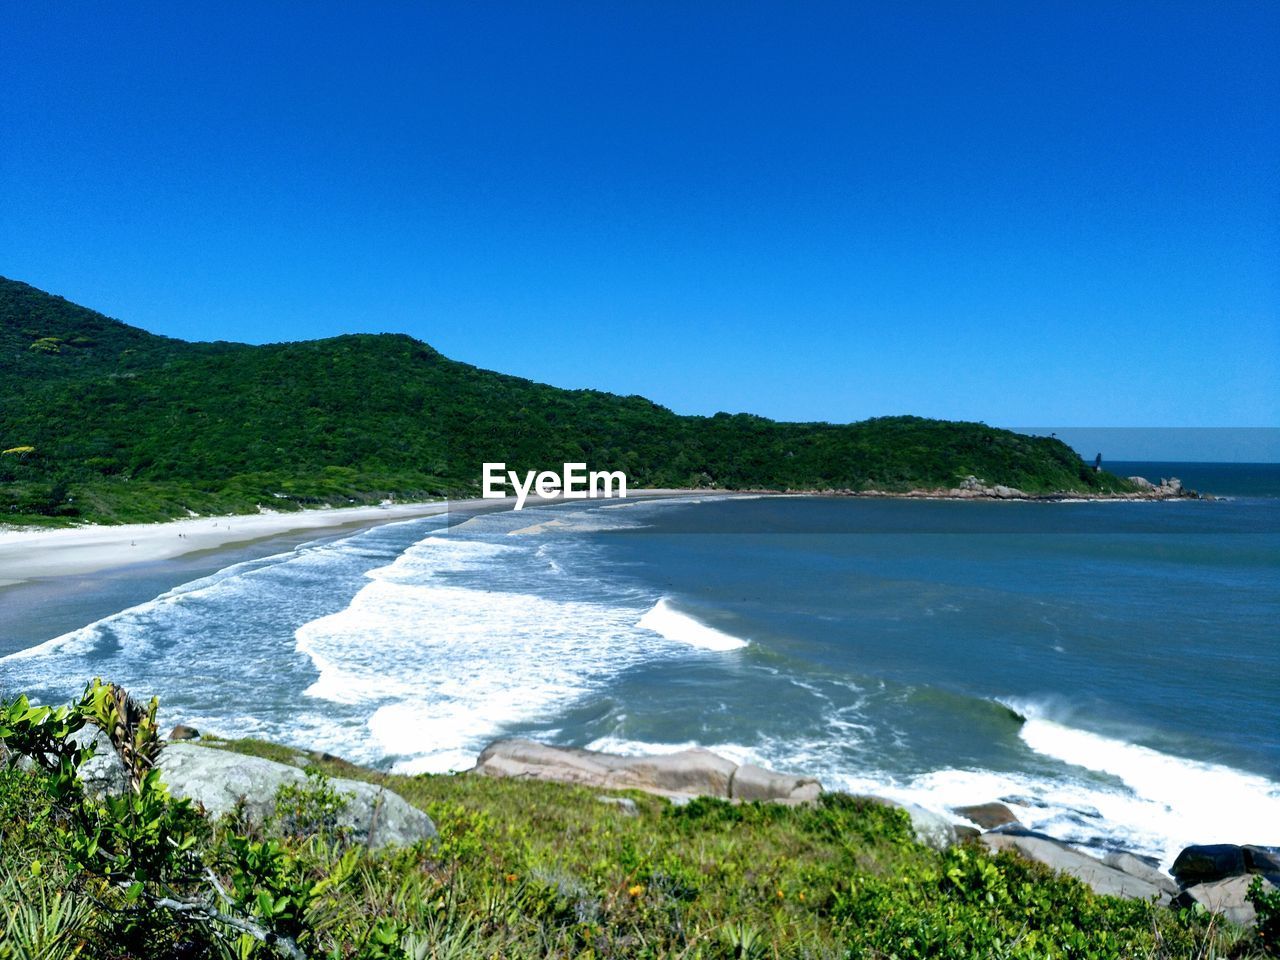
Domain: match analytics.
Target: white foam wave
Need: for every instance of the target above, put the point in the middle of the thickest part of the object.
(1156, 804)
(1184, 801)
(666, 621)
(443, 668)
(435, 555)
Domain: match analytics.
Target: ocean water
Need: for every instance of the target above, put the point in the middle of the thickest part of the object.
(1109, 670)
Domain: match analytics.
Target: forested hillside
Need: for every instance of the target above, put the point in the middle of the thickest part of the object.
(103, 421)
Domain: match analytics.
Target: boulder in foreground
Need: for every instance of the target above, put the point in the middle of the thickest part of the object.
(1091, 871)
(688, 773)
(221, 781)
(1142, 869)
(1228, 897)
(678, 776)
(1205, 863)
(987, 815)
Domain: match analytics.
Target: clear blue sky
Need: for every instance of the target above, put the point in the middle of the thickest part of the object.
(1022, 213)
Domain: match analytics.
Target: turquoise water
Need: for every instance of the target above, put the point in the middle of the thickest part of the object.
(1111, 670)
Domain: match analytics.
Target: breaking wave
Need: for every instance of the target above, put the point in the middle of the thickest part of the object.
(666, 621)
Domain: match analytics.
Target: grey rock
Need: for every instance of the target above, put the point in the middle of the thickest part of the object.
(1227, 897)
(964, 832)
(1142, 483)
(931, 829)
(987, 815)
(695, 772)
(221, 781)
(625, 805)
(1143, 870)
(1203, 863)
(184, 732)
(1089, 870)
(750, 782)
(104, 772)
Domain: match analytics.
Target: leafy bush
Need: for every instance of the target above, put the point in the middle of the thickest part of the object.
(1267, 903)
(522, 869)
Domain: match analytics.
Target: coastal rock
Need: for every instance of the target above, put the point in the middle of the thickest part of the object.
(1227, 897)
(1142, 483)
(931, 829)
(1089, 870)
(695, 772)
(223, 782)
(104, 772)
(625, 805)
(987, 815)
(750, 782)
(1263, 860)
(1142, 869)
(1205, 863)
(971, 487)
(184, 732)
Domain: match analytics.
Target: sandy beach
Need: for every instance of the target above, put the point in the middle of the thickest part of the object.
(70, 551)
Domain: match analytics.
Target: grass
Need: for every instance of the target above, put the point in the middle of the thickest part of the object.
(534, 869)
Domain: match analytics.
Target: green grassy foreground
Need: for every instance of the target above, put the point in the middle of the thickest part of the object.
(531, 869)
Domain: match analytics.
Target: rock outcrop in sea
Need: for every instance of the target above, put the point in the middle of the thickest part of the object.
(975, 488)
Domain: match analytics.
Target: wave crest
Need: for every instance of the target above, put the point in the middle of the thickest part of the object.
(668, 622)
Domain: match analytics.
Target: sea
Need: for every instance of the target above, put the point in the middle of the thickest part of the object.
(1109, 670)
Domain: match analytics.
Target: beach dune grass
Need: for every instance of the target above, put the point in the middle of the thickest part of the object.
(537, 869)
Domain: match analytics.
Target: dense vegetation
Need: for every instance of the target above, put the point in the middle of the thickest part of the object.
(521, 869)
(103, 421)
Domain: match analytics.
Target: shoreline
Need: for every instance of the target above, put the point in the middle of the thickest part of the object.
(28, 555)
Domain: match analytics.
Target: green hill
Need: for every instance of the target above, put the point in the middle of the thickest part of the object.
(103, 421)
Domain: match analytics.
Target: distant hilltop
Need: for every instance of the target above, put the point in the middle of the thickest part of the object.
(101, 421)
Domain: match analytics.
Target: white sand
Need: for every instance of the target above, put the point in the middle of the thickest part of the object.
(25, 554)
